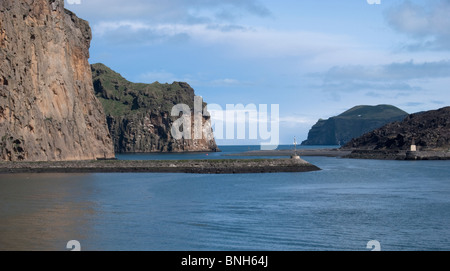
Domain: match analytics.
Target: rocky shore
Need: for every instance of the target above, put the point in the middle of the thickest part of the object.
(398, 155)
(426, 132)
(356, 154)
(226, 166)
(288, 153)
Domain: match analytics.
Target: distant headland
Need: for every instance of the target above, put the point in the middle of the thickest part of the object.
(355, 122)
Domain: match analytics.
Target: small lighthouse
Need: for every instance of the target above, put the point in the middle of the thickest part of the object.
(412, 154)
(295, 156)
(413, 146)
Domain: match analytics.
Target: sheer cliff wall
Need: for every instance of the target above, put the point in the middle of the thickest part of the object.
(48, 109)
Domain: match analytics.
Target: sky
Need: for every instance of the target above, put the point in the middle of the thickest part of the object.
(313, 58)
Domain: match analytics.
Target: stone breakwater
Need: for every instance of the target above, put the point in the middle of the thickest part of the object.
(226, 166)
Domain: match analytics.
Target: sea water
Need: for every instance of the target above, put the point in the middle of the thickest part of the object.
(404, 205)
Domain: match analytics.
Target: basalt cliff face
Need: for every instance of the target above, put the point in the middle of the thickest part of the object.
(430, 131)
(139, 115)
(353, 123)
(48, 110)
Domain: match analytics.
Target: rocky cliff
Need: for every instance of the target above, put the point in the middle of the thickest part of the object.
(139, 115)
(351, 124)
(48, 110)
(430, 131)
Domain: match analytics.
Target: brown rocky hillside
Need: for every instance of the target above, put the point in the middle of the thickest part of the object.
(48, 110)
(429, 130)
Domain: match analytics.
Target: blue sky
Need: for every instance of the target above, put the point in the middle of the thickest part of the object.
(314, 58)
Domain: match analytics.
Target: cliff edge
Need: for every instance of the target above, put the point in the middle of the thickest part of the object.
(139, 115)
(48, 110)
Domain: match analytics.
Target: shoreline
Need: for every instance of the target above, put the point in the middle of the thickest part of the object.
(289, 153)
(399, 155)
(226, 166)
(356, 154)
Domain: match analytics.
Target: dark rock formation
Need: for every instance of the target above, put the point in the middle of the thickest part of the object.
(48, 110)
(430, 131)
(351, 124)
(139, 115)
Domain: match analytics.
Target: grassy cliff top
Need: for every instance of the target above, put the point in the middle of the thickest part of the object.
(373, 112)
(121, 97)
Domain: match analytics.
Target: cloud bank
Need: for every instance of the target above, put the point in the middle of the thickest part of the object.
(429, 25)
(394, 76)
(180, 11)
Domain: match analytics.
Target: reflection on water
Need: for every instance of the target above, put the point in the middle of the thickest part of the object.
(404, 205)
(45, 211)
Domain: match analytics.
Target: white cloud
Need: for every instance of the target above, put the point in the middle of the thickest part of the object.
(159, 76)
(245, 41)
(163, 11)
(104, 27)
(401, 76)
(216, 24)
(295, 121)
(428, 25)
(168, 77)
(225, 82)
(394, 71)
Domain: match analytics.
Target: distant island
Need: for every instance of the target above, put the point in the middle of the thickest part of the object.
(139, 115)
(352, 123)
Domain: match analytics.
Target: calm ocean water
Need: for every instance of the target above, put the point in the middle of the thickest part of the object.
(403, 205)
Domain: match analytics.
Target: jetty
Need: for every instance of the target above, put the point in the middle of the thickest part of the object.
(212, 166)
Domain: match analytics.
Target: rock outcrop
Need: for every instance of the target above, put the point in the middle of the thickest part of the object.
(353, 123)
(139, 115)
(430, 131)
(48, 110)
